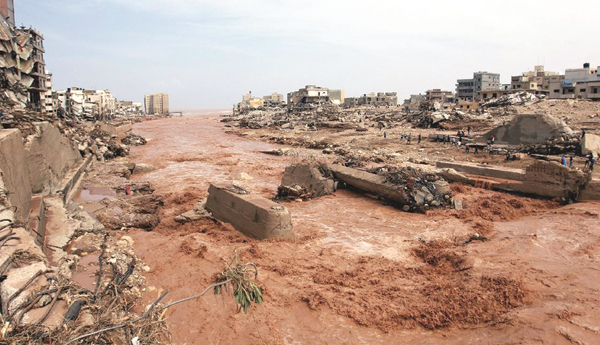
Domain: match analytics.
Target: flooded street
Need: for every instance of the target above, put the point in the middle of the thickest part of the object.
(351, 275)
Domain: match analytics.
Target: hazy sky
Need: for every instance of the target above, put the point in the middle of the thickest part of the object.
(206, 54)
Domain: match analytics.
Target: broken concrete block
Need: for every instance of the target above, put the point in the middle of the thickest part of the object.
(458, 204)
(252, 215)
(88, 243)
(142, 168)
(590, 144)
(198, 212)
(529, 129)
(306, 180)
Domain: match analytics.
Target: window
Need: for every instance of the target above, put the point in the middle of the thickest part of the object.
(557, 91)
(595, 90)
(582, 90)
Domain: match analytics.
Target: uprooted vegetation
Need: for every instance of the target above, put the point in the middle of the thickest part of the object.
(108, 310)
(439, 292)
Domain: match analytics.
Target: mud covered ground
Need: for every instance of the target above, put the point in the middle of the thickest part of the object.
(361, 272)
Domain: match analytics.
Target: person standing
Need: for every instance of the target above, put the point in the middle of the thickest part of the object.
(563, 161)
(571, 162)
(419, 138)
(469, 130)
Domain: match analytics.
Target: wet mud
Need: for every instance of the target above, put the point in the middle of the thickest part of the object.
(361, 272)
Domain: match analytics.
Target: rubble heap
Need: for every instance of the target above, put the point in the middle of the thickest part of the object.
(519, 98)
(420, 190)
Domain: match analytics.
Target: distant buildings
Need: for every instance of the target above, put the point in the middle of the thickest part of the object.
(375, 99)
(310, 94)
(467, 89)
(273, 100)
(578, 83)
(156, 104)
(437, 95)
(536, 81)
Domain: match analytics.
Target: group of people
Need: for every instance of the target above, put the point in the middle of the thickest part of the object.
(590, 161)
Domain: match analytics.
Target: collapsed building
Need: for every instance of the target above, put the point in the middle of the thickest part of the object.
(389, 99)
(249, 102)
(23, 77)
(312, 95)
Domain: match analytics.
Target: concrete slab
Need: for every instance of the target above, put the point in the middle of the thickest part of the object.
(14, 170)
(484, 170)
(367, 182)
(251, 215)
(50, 157)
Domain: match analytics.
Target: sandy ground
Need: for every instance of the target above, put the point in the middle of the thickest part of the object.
(361, 272)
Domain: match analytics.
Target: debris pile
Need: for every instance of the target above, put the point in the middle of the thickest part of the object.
(134, 140)
(420, 190)
(305, 181)
(519, 98)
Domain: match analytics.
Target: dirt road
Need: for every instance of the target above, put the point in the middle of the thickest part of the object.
(361, 272)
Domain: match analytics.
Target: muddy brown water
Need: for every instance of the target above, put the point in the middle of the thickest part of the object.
(555, 253)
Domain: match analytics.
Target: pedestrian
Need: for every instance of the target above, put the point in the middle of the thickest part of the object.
(467, 149)
(571, 162)
(587, 160)
(384, 135)
(563, 161)
(409, 138)
(419, 138)
(507, 155)
(469, 130)
(476, 150)
(592, 162)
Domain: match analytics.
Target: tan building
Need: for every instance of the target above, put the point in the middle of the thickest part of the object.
(536, 81)
(157, 103)
(438, 95)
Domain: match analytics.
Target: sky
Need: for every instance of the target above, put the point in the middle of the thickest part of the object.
(207, 53)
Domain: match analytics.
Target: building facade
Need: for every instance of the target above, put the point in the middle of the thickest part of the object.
(536, 81)
(438, 95)
(467, 89)
(156, 104)
(578, 83)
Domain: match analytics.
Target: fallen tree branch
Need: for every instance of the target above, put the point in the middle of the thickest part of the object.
(100, 266)
(147, 314)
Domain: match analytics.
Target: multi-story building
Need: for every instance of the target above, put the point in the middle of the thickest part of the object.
(157, 103)
(273, 100)
(310, 94)
(467, 89)
(578, 83)
(437, 95)
(37, 70)
(49, 103)
(536, 81)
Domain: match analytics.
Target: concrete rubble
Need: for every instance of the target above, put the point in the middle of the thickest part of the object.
(252, 215)
(306, 181)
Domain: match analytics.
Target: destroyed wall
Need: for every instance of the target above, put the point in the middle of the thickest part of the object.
(15, 173)
(529, 129)
(50, 156)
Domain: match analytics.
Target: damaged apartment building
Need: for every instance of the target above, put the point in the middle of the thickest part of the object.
(385, 99)
(249, 102)
(312, 95)
(23, 78)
